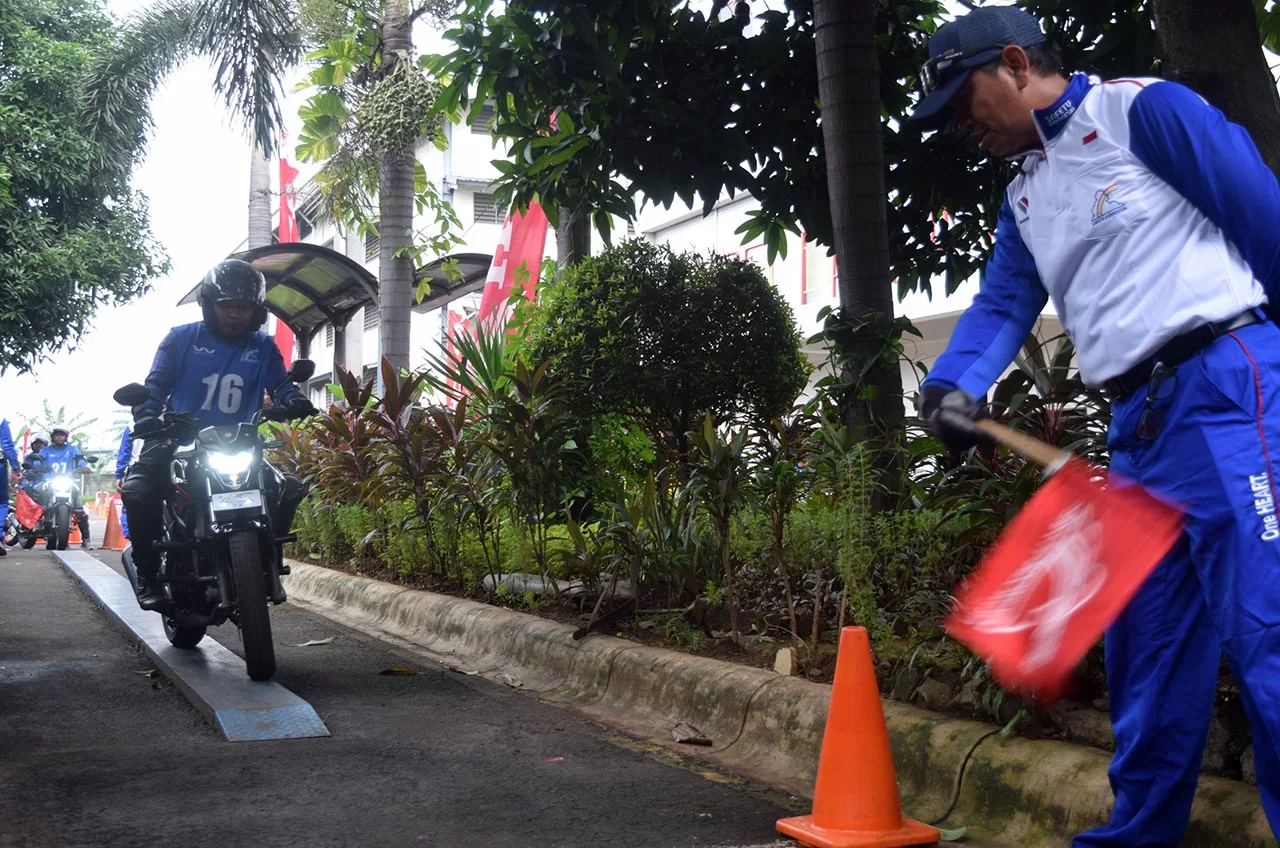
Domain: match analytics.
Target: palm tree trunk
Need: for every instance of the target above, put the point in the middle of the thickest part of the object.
(259, 199)
(849, 89)
(1214, 48)
(395, 207)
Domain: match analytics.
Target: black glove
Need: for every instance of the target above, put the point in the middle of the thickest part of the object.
(950, 414)
(144, 427)
(300, 407)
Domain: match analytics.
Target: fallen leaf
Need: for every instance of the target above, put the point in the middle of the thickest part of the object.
(398, 669)
(308, 644)
(687, 734)
(461, 670)
(514, 683)
(955, 834)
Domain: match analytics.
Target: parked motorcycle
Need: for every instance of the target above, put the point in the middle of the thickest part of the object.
(221, 558)
(46, 516)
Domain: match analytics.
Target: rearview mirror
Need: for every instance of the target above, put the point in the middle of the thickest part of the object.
(131, 395)
(302, 370)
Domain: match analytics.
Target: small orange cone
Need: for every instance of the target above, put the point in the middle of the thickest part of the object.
(73, 538)
(855, 801)
(113, 539)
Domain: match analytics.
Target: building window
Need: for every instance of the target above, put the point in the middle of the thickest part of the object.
(483, 123)
(371, 317)
(328, 336)
(373, 242)
(486, 210)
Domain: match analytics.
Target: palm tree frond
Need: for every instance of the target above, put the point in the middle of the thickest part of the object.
(125, 74)
(252, 43)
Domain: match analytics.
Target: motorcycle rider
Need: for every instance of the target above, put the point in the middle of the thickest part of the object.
(216, 370)
(33, 466)
(10, 456)
(126, 454)
(63, 457)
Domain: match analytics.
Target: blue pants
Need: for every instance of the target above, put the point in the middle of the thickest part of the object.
(1218, 591)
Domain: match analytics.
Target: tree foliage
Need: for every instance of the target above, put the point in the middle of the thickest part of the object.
(669, 337)
(653, 97)
(73, 234)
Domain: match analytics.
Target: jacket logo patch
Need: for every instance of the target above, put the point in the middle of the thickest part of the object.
(1105, 204)
(249, 356)
(1066, 110)
(207, 351)
(1091, 137)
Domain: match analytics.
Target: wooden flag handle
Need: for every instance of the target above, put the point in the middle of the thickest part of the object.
(1032, 448)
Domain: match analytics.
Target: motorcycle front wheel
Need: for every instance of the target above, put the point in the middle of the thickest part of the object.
(251, 602)
(61, 531)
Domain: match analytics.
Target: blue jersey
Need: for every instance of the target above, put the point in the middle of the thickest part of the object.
(216, 381)
(62, 460)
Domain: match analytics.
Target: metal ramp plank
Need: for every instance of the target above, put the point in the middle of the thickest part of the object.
(209, 675)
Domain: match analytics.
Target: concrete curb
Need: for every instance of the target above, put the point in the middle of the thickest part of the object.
(769, 727)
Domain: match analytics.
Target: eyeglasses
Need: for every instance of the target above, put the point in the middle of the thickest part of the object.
(931, 72)
(1151, 421)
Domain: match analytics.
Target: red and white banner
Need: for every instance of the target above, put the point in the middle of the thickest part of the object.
(519, 252)
(288, 233)
(1059, 575)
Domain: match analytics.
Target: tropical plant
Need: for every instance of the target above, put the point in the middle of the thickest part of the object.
(720, 484)
(781, 452)
(530, 431)
(78, 426)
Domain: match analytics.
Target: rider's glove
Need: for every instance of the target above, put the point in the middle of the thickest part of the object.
(950, 414)
(300, 407)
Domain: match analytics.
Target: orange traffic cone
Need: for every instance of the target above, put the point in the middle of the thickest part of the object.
(74, 538)
(113, 539)
(855, 801)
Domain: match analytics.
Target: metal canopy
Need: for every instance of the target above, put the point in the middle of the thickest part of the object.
(474, 268)
(308, 286)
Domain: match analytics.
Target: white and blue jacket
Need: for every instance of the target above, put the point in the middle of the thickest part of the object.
(1144, 214)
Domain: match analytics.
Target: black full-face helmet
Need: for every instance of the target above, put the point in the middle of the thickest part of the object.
(229, 280)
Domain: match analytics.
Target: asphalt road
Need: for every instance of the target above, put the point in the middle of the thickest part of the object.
(93, 752)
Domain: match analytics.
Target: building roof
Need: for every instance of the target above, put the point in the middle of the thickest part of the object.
(474, 268)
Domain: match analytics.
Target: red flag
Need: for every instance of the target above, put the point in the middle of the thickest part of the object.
(457, 324)
(288, 233)
(1059, 575)
(524, 236)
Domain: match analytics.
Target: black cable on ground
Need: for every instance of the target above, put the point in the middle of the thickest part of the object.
(955, 795)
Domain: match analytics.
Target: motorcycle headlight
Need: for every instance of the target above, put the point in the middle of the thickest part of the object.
(62, 486)
(231, 467)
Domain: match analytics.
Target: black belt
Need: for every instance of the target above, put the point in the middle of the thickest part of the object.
(1175, 352)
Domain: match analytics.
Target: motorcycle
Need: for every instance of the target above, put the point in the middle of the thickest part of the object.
(46, 516)
(220, 557)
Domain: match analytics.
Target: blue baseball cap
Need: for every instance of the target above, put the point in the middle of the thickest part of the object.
(964, 44)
